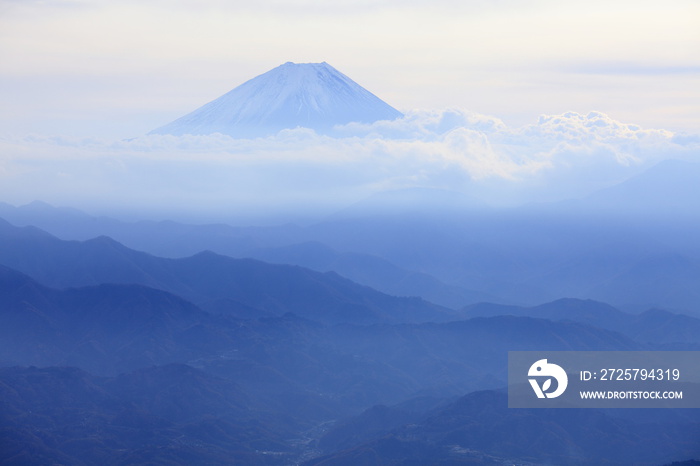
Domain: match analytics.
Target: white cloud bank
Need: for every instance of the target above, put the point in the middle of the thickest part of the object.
(557, 157)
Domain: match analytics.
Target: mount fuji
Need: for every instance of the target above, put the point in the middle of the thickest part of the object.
(308, 95)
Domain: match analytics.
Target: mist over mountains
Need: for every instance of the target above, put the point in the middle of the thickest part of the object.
(459, 253)
(300, 174)
(297, 273)
(289, 344)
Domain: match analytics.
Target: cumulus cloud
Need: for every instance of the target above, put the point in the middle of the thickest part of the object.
(556, 157)
(424, 125)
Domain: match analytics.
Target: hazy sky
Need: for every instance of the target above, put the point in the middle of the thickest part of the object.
(119, 69)
(617, 81)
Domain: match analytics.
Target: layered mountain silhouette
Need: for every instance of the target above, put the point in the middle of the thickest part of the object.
(655, 326)
(210, 359)
(104, 328)
(597, 248)
(112, 328)
(308, 95)
(668, 188)
(208, 279)
(568, 309)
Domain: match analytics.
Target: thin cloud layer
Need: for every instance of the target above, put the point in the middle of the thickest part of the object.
(557, 157)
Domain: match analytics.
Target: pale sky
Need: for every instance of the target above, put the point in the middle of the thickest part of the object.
(83, 81)
(119, 69)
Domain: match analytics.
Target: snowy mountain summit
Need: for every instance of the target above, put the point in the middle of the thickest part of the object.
(309, 95)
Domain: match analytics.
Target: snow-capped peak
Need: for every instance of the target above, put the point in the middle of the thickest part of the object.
(310, 95)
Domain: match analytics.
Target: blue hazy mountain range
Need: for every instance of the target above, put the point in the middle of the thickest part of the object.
(459, 252)
(208, 279)
(166, 368)
(376, 335)
(308, 95)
